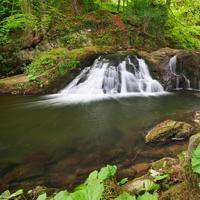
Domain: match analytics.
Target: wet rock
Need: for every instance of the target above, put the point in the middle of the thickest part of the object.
(166, 164)
(141, 168)
(129, 173)
(197, 119)
(192, 179)
(169, 130)
(22, 172)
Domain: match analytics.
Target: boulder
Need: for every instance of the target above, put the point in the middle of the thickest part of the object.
(187, 67)
(136, 186)
(168, 131)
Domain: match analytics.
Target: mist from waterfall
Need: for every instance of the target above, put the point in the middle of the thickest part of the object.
(110, 78)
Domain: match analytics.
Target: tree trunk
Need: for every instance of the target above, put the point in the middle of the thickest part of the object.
(118, 5)
(75, 8)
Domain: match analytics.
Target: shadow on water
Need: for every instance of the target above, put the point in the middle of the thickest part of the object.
(59, 145)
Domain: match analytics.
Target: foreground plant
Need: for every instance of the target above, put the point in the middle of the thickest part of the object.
(94, 188)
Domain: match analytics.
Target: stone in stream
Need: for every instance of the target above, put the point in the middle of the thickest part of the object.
(168, 131)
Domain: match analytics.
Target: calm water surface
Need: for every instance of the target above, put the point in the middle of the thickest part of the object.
(58, 145)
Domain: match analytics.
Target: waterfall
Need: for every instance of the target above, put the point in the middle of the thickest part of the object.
(109, 77)
(181, 81)
(104, 77)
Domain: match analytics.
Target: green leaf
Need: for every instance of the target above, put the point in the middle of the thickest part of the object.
(17, 193)
(125, 196)
(42, 197)
(148, 196)
(150, 185)
(161, 177)
(107, 172)
(62, 195)
(93, 176)
(123, 181)
(195, 160)
(5, 195)
(95, 191)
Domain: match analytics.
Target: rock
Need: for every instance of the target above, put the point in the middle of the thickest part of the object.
(21, 173)
(129, 173)
(187, 65)
(167, 165)
(141, 168)
(137, 185)
(168, 131)
(192, 179)
(180, 192)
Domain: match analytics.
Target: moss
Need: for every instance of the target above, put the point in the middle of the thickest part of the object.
(169, 130)
(51, 70)
(180, 192)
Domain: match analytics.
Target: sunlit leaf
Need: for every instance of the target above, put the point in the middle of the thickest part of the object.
(17, 193)
(123, 181)
(107, 172)
(148, 196)
(62, 195)
(195, 160)
(42, 197)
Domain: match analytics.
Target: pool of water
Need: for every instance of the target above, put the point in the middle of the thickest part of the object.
(59, 145)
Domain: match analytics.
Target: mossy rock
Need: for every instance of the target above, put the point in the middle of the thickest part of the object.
(180, 192)
(168, 131)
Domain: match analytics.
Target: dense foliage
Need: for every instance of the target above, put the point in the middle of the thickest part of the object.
(148, 24)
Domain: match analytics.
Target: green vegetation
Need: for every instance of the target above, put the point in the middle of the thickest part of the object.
(96, 187)
(146, 24)
(195, 160)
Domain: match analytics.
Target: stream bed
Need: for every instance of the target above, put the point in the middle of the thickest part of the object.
(57, 146)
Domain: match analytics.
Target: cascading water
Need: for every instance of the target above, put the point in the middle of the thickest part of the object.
(181, 81)
(104, 78)
(110, 78)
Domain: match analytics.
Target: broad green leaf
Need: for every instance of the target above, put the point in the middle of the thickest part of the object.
(123, 181)
(5, 195)
(195, 160)
(125, 196)
(78, 195)
(62, 195)
(161, 177)
(150, 185)
(148, 196)
(80, 187)
(93, 176)
(107, 172)
(94, 191)
(42, 197)
(17, 193)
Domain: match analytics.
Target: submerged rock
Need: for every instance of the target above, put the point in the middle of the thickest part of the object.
(169, 130)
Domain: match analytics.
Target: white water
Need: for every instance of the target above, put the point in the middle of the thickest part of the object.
(106, 80)
(103, 78)
(173, 65)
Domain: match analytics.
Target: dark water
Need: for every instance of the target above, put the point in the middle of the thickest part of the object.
(59, 145)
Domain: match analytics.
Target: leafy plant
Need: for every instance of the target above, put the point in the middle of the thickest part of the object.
(123, 181)
(148, 196)
(7, 195)
(125, 196)
(195, 160)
